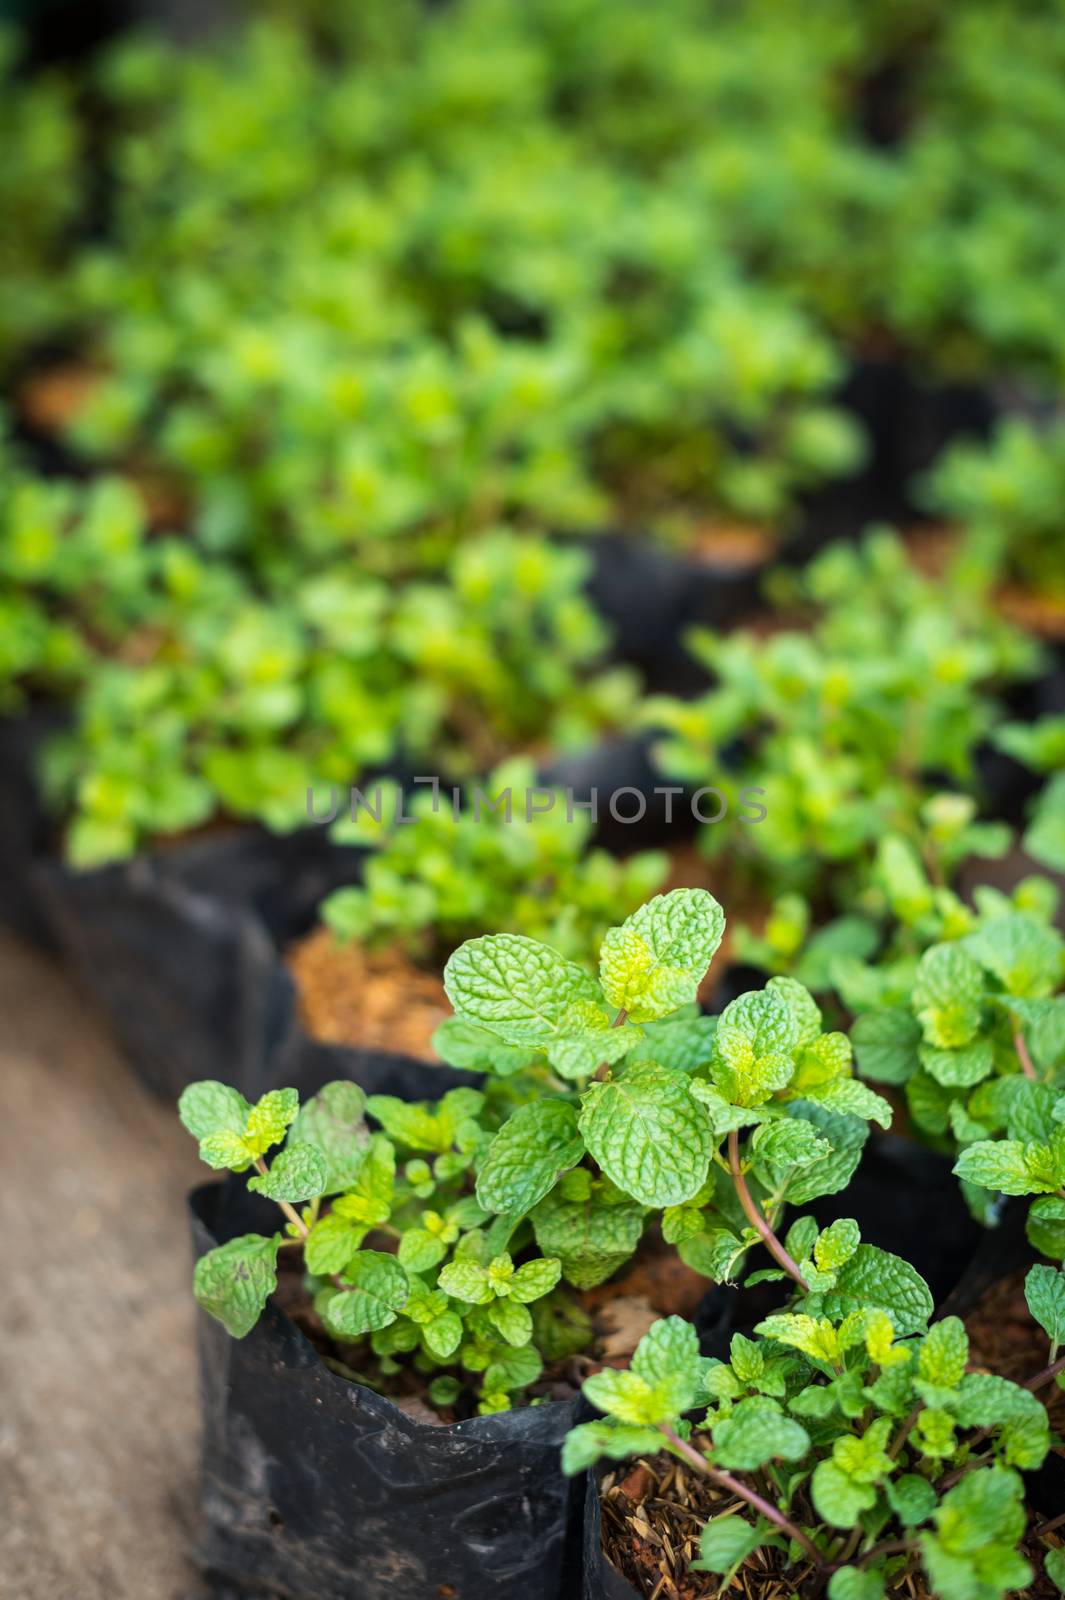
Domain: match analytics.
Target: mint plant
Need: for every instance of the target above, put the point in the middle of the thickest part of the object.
(496, 865)
(861, 1449)
(850, 728)
(608, 1101)
(973, 1031)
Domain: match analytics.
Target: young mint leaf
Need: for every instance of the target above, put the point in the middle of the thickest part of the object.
(874, 1277)
(845, 1134)
(1054, 1564)
(466, 1281)
(814, 1336)
(648, 1134)
(472, 1048)
(421, 1125)
(1045, 1227)
(519, 989)
(1044, 1290)
(972, 1555)
(911, 1498)
(670, 1350)
(536, 1144)
(511, 1320)
(377, 1292)
(653, 964)
(269, 1118)
(234, 1282)
(837, 1244)
(333, 1121)
(856, 1583)
(210, 1107)
(852, 1097)
(757, 1431)
(944, 1353)
(299, 1172)
(534, 1279)
(726, 1542)
(960, 1068)
(1025, 955)
(756, 1035)
(885, 1044)
(585, 1444)
(591, 1236)
(1004, 1165)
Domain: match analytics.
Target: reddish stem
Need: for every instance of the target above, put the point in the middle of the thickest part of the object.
(604, 1066)
(1023, 1057)
(755, 1217)
(752, 1497)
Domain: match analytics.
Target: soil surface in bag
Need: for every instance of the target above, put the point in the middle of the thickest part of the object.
(317, 1488)
(643, 1518)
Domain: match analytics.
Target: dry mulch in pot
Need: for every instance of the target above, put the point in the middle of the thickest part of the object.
(653, 1510)
(370, 999)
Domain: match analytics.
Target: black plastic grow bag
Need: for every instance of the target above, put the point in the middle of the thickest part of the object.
(316, 1488)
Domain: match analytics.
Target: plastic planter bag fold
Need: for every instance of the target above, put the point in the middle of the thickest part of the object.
(316, 1488)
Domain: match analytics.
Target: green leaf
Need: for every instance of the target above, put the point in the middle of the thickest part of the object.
(961, 1068)
(649, 1134)
(299, 1172)
(756, 1035)
(533, 1148)
(838, 1498)
(911, 1498)
(1054, 1564)
(423, 1125)
(513, 1369)
(467, 1281)
(726, 1542)
(519, 989)
(757, 1431)
(875, 1277)
(333, 1121)
(814, 1336)
(211, 1107)
(1002, 1165)
(443, 1335)
(850, 1096)
(856, 1583)
(788, 1142)
(885, 1044)
(847, 1136)
(511, 1321)
(836, 1244)
(377, 1294)
(269, 1118)
(591, 1237)
(420, 1251)
(1024, 954)
(944, 1353)
(534, 1279)
(475, 1049)
(585, 1444)
(1046, 1226)
(1044, 1290)
(234, 1282)
(653, 964)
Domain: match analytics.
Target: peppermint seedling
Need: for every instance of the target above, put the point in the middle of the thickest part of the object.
(860, 1447)
(974, 1032)
(647, 1106)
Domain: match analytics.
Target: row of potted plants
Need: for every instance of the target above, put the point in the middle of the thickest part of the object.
(451, 1250)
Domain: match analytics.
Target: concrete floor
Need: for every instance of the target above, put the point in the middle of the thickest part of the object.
(99, 1412)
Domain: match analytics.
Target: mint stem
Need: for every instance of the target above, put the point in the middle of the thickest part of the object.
(1023, 1057)
(734, 1486)
(604, 1066)
(755, 1217)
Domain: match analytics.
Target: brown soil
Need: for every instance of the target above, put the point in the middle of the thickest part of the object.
(51, 399)
(376, 1000)
(653, 1510)
(735, 546)
(1003, 1338)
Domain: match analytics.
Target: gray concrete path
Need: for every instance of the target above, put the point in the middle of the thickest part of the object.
(99, 1414)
